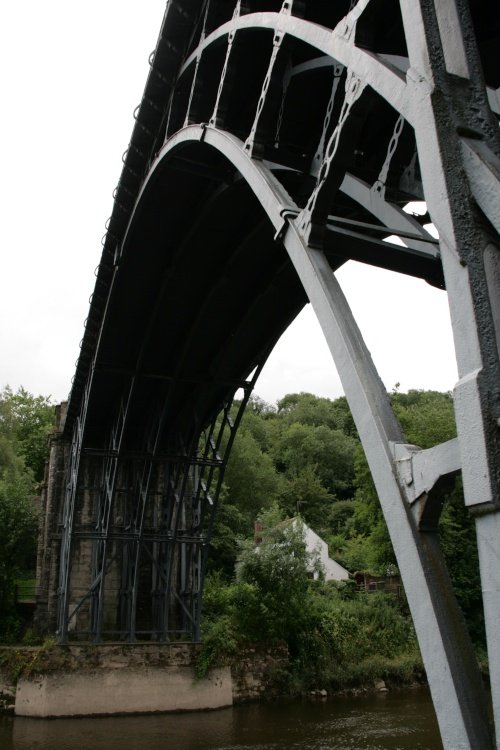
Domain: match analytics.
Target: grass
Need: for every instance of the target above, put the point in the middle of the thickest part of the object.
(25, 589)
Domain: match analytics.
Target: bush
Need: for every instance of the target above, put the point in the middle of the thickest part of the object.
(335, 637)
(219, 643)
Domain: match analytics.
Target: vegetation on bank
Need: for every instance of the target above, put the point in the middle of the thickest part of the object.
(304, 457)
(336, 636)
(25, 422)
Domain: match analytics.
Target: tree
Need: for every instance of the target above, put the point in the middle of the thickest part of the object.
(427, 417)
(457, 536)
(231, 526)
(18, 527)
(25, 422)
(251, 479)
(250, 483)
(301, 454)
(314, 410)
(306, 454)
(304, 494)
(279, 569)
(327, 450)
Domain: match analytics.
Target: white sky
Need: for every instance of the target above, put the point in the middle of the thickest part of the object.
(72, 74)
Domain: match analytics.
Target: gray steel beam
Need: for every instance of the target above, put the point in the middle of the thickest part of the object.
(388, 213)
(443, 114)
(346, 243)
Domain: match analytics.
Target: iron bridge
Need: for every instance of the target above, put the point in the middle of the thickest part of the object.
(276, 140)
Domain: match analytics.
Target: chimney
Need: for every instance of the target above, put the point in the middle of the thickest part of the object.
(257, 531)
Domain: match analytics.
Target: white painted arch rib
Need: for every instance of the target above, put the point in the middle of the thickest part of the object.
(383, 77)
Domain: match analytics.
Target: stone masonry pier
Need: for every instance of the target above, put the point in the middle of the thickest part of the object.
(89, 680)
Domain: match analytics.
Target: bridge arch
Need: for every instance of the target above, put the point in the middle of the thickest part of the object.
(174, 332)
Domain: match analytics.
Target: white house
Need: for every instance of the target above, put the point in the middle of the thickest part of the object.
(316, 546)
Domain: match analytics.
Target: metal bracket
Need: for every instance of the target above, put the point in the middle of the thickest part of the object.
(286, 214)
(419, 471)
(424, 476)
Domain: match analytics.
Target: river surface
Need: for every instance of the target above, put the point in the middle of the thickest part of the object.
(390, 721)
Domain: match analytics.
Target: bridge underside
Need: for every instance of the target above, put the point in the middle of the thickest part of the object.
(275, 141)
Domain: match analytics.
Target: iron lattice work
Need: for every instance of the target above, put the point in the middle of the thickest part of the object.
(140, 522)
(274, 141)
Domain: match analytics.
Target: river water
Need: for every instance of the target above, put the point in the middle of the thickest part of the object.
(389, 721)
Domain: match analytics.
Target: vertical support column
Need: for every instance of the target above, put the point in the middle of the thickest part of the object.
(488, 545)
(450, 106)
(67, 531)
(103, 523)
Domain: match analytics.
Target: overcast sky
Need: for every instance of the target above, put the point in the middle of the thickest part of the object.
(72, 74)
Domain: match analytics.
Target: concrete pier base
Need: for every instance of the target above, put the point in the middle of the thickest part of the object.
(122, 691)
(120, 678)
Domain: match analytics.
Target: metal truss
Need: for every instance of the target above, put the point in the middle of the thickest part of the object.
(405, 108)
(153, 516)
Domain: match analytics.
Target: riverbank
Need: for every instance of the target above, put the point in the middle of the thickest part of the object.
(117, 678)
(45, 676)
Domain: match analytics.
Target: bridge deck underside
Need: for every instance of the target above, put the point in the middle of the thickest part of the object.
(203, 292)
(201, 216)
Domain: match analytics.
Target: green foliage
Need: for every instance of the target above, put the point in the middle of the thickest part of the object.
(232, 526)
(457, 535)
(304, 493)
(251, 482)
(278, 568)
(227, 618)
(18, 527)
(300, 455)
(25, 422)
(330, 452)
(363, 543)
(305, 408)
(328, 628)
(427, 417)
(218, 642)
(365, 626)
(305, 457)
(251, 478)
(349, 632)
(398, 670)
(18, 522)
(339, 514)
